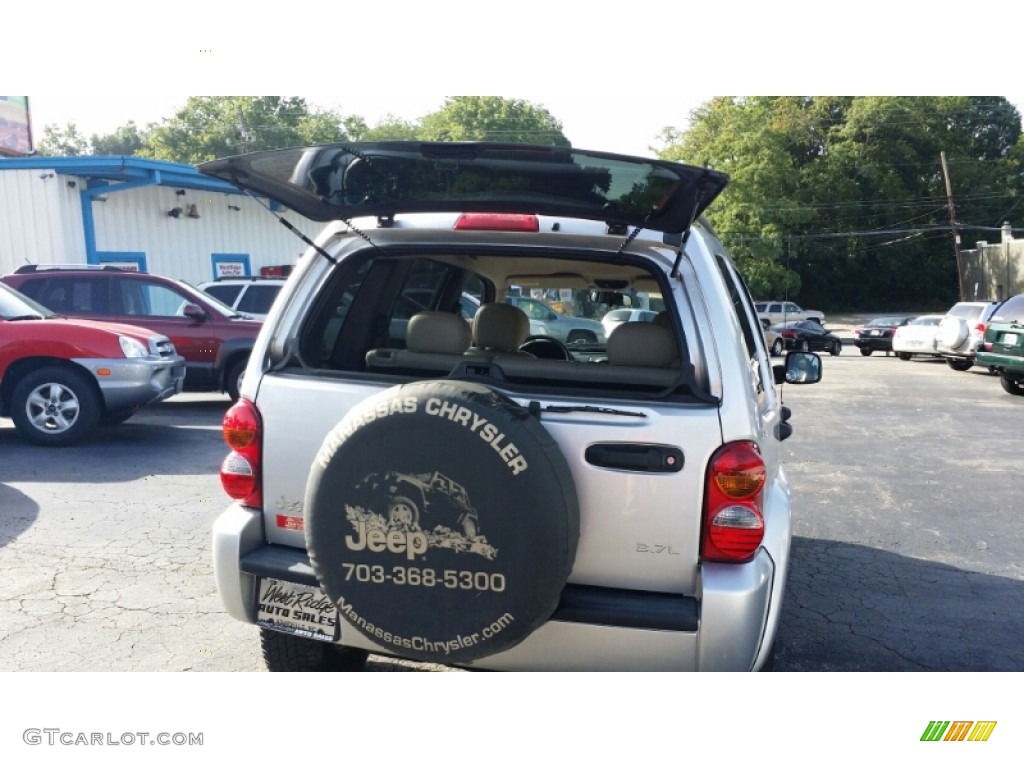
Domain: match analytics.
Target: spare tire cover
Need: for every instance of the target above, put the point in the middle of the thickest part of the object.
(442, 520)
(952, 332)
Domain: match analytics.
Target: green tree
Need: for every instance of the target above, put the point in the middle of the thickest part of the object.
(208, 127)
(126, 140)
(492, 118)
(841, 200)
(62, 141)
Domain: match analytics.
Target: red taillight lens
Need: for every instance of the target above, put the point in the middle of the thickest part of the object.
(733, 520)
(240, 471)
(981, 327)
(505, 222)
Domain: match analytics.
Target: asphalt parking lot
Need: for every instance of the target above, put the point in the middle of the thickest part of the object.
(908, 549)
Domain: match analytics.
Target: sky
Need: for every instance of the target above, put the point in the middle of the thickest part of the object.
(614, 78)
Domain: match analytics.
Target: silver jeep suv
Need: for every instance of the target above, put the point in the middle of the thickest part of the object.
(471, 494)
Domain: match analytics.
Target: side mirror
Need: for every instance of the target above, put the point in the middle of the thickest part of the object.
(193, 312)
(552, 316)
(800, 368)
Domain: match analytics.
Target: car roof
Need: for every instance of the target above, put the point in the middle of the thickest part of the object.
(383, 179)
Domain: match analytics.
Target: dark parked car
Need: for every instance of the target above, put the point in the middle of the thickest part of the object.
(1003, 346)
(876, 335)
(804, 335)
(214, 339)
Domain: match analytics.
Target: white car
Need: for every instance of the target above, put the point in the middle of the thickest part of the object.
(776, 312)
(916, 337)
(619, 316)
(469, 496)
(250, 296)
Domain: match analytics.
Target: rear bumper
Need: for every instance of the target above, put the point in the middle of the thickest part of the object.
(1011, 364)
(730, 627)
(136, 381)
(876, 345)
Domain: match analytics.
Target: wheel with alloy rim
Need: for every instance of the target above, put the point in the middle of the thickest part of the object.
(55, 406)
(498, 521)
(777, 348)
(1012, 386)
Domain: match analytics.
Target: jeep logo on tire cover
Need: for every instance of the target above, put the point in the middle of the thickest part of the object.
(442, 520)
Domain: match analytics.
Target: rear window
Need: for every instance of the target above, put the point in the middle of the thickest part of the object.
(966, 311)
(926, 321)
(1012, 311)
(361, 320)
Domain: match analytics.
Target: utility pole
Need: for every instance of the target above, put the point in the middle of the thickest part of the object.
(952, 223)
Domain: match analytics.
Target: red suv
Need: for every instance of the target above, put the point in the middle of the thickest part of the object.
(60, 378)
(214, 339)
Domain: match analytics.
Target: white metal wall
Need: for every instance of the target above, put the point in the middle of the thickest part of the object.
(41, 222)
(34, 219)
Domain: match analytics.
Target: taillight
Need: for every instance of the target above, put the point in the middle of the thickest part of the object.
(733, 517)
(856, 331)
(505, 222)
(980, 328)
(240, 471)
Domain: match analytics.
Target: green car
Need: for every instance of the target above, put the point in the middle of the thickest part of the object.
(1003, 345)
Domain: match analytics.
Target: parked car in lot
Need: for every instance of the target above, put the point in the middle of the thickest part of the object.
(617, 511)
(776, 312)
(618, 316)
(773, 340)
(876, 335)
(916, 337)
(961, 330)
(1002, 349)
(61, 378)
(214, 339)
(808, 335)
(545, 321)
(250, 296)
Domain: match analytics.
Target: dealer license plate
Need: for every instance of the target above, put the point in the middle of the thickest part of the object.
(914, 343)
(296, 609)
(1008, 339)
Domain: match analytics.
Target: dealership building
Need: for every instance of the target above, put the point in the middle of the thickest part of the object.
(149, 215)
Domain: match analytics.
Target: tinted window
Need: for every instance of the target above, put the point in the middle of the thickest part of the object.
(145, 299)
(226, 293)
(259, 299)
(70, 296)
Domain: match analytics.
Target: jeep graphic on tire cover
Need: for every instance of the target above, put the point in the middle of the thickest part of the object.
(442, 520)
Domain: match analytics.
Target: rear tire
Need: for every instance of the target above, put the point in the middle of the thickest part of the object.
(1012, 386)
(837, 348)
(288, 653)
(778, 348)
(866, 352)
(903, 355)
(959, 364)
(233, 381)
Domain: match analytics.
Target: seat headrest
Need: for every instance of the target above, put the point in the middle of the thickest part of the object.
(500, 326)
(649, 345)
(438, 332)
